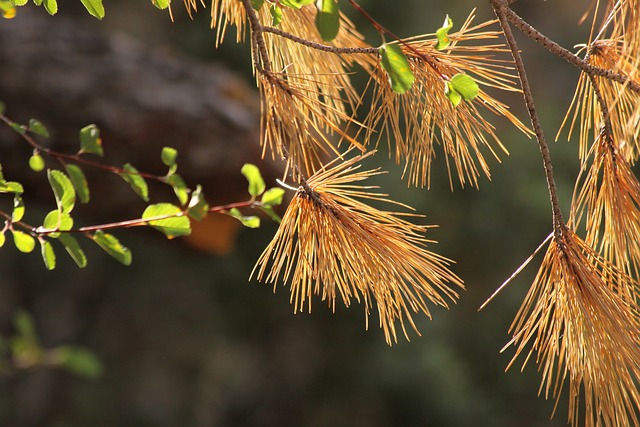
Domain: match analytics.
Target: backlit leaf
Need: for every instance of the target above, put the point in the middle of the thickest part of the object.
(36, 162)
(179, 187)
(172, 222)
(328, 19)
(94, 7)
(442, 34)
(247, 221)
(58, 221)
(18, 208)
(465, 85)
(77, 360)
(296, 4)
(24, 242)
(63, 190)
(161, 4)
(276, 15)
(169, 156)
(79, 182)
(73, 248)
(48, 255)
(198, 207)
(3, 238)
(50, 6)
(38, 128)
(11, 187)
(137, 182)
(90, 141)
(396, 64)
(256, 183)
(111, 245)
(273, 196)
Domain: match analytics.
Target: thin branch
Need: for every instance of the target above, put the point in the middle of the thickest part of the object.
(563, 53)
(261, 55)
(322, 47)
(501, 9)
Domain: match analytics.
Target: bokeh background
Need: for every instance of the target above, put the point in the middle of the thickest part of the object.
(185, 339)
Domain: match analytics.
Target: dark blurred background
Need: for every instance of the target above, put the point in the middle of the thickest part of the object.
(184, 338)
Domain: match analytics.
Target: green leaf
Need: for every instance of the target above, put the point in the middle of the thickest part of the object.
(175, 224)
(136, 181)
(257, 4)
(48, 255)
(18, 208)
(276, 15)
(179, 187)
(296, 4)
(90, 141)
(247, 221)
(111, 245)
(79, 182)
(63, 190)
(38, 128)
(465, 85)
(94, 7)
(36, 162)
(396, 64)
(3, 108)
(73, 248)
(453, 96)
(273, 196)
(23, 241)
(3, 238)
(198, 207)
(442, 34)
(269, 211)
(328, 19)
(55, 220)
(256, 183)
(169, 156)
(11, 187)
(161, 4)
(77, 360)
(21, 129)
(50, 6)
(19, 2)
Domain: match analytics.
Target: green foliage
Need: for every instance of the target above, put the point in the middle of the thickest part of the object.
(48, 255)
(111, 245)
(38, 128)
(73, 249)
(396, 64)
(442, 34)
(139, 185)
(198, 206)
(63, 190)
(18, 208)
(276, 15)
(94, 7)
(250, 221)
(77, 360)
(256, 182)
(90, 141)
(79, 182)
(161, 4)
(168, 219)
(328, 19)
(461, 87)
(296, 4)
(36, 162)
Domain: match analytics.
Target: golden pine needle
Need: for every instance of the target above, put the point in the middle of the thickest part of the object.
(424, 117)
(584, 332)
(609, 202)
(333, 245)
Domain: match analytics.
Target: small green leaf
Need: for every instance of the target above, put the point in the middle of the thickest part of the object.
(175, 224)
(257, 4)
(136, 181)
(63, 190)
(55, 220)
(397, 66)
(48, 255)
(38, 128)
(161, 4)
(36, 162)
(19, 2)
(296, 4)
(465, 86)
(169, 156)
(18, 208)
(328, 19)
(273, 196)
(111, 245)
(256, 183)
(3, 108)
(198, 207)
(247, 221)
(11, 187)
(442, 34)
(77, 360)
(3, 238)
(179, 187)
(452, 94)
(90, 141)
(79, 182)
(50, 6)
(276, 15)
(73, 248)
(272, 214)
(94, 7)
(21, 129)
(24, 242)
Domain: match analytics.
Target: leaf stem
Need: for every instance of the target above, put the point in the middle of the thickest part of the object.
(322, 47)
